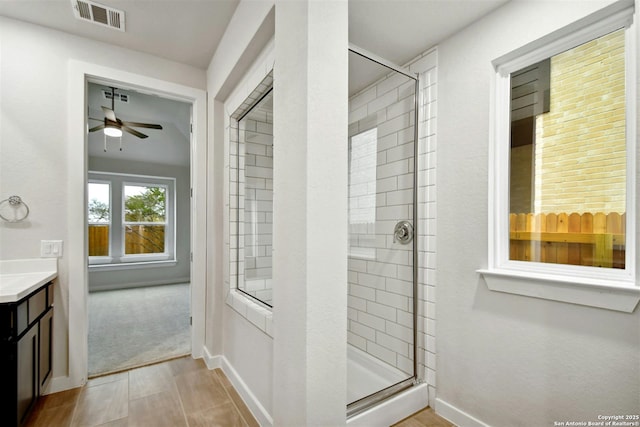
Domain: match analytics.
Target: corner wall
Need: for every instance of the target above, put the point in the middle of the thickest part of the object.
(506, 360)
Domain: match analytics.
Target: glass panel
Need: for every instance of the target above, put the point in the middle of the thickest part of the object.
(144, 239)
(144, 203)
(568, 157)
(144, 219)
(255, 195)
(381, 182)
(99, 218)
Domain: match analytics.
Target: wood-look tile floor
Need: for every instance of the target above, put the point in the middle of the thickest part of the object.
(425, 418)
(179, 393)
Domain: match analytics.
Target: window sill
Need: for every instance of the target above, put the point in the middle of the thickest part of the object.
(610, 295)
(132, 265)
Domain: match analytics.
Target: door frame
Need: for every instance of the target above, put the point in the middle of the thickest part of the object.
(80, 73)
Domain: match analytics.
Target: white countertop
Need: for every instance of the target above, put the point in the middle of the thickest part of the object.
(18, 278)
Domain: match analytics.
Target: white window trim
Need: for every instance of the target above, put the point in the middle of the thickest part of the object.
(118, 261)
(591, 286)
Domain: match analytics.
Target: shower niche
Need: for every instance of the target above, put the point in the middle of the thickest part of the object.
(251, 194)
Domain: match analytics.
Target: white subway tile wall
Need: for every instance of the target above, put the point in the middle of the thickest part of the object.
(426, 66)
(381, 194)
(256, 139)
(380, 314)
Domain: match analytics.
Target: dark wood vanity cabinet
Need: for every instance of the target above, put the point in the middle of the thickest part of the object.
(25, 364)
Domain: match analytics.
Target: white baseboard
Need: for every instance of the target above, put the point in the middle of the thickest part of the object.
(259, 412)
(58, 384)
(212, 362)
(457, 416)
(131, 285)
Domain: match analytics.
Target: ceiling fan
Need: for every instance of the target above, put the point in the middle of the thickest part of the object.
(113, 126)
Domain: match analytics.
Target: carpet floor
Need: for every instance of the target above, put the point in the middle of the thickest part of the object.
(135, 327)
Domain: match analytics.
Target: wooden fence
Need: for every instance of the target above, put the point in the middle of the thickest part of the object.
(588, 239)
(139, 239)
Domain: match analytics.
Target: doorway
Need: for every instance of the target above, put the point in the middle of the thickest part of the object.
(80, 74)
(138, 228)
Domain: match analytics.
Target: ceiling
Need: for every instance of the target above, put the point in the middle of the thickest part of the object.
(159, 27)
(169, 146)
(396, 30)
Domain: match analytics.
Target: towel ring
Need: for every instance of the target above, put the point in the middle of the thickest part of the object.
(14, 202)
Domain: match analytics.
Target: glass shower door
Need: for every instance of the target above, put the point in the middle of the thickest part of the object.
(381, 325)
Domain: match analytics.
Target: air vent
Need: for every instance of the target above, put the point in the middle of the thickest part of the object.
(119, 96)
(98, 14)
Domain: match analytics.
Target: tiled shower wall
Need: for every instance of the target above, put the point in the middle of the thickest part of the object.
(380, 270)
(257, 135)
(368, 315)
(426, 67)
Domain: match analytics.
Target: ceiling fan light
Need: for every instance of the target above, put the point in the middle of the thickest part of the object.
(113, 131)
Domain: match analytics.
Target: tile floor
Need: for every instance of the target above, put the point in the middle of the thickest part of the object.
(178, 393)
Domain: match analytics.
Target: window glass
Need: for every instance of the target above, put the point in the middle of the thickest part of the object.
(99, 218)
(568, 157)
(363, 156)
(144, 219)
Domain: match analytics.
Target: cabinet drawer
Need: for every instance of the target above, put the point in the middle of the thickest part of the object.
(37, 304)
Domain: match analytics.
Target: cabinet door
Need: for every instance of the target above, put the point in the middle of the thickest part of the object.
(27, 372)
(46, 324)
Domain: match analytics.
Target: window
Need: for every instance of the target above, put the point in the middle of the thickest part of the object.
(144, 221)
(99, 218)
(563, 165)
(568, 157)
(137, 229)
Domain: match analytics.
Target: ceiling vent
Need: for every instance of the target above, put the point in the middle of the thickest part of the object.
(98, 14)
(122, 97)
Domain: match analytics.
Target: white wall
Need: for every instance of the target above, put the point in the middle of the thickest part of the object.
(179, 273)
(34, 140)
(504, 359)
(247, 350)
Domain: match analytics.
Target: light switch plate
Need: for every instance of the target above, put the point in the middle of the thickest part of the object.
(50, 248)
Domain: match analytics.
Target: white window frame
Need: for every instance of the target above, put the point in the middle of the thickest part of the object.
(117, 259)
(613, 289)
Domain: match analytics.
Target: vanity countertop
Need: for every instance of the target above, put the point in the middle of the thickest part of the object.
(18, 278)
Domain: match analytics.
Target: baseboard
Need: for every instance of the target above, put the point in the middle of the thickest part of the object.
(58, 384)
(457, 416)
(212, 362)
(119, 286)
(259, 412)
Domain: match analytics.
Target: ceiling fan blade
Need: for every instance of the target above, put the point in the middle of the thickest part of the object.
(134, 132)
(109, 114)
(142, 125)
(99, 120)
(93, 129)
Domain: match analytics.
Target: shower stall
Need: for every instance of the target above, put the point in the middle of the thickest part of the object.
(382, 290)
(382, 356)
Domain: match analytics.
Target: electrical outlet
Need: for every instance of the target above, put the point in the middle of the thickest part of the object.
(50, 248)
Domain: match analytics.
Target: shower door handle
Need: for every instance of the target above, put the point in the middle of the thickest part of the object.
(403, 232)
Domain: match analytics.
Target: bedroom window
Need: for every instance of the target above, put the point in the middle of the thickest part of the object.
(139, 227)
(99, 218)
(562, 171)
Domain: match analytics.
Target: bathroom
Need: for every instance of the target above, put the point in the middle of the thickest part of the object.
(485, 357)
